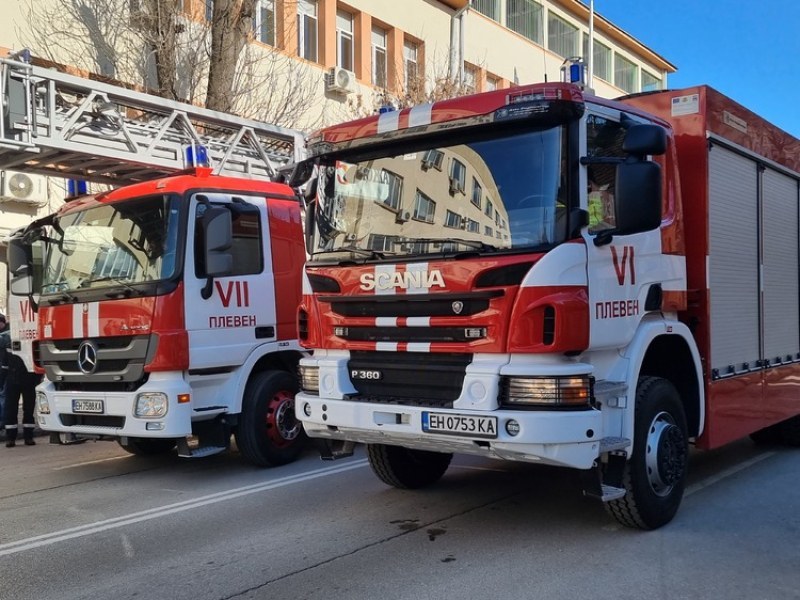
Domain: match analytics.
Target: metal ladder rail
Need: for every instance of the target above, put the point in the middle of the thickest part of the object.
(79, 128)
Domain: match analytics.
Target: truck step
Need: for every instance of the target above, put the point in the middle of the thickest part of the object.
(612, 444)
(606, 493)
(186, 451)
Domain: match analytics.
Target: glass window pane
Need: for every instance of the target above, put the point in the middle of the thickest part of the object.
(526, 18)
(490, 8)
(562, 36)
(650, 82)
(625, 73)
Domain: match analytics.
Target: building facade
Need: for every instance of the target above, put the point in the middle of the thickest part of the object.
(345, 59)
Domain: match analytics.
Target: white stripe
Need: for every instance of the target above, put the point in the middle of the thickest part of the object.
(385, 269)
(77, 320)
(386, 321)
(418, 322)
(419, 347)
(418, 268)
(389, 121)
(94, 319)
(49, 539)
(386, 346)
(420, 115)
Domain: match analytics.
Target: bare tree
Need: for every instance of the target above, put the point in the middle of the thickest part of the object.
(155, 45)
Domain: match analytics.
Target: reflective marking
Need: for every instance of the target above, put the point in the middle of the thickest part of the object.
(386, 346)
(49, 539)
(418, 322)
(93, 321)
(419, 347)
(386, 321)
(77, 320)
(389, 121)
(420, 115)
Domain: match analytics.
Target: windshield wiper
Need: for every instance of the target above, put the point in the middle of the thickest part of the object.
(355, 250)
(129, 289)
(474, 244)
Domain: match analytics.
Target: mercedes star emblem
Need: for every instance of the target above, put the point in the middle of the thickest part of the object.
(87, 357)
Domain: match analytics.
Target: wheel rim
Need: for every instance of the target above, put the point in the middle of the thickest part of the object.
(666, 454)
(282, 425)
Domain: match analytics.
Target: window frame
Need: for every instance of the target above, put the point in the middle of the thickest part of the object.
(419, 198)
(345, 40)
(307, 17)
(557, 29)
(259, 30)
(375, 49)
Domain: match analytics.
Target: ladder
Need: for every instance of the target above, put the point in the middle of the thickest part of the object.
(56, 124)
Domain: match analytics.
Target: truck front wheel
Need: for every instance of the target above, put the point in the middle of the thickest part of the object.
(655, 475)
(268, 433)
(405, 468)
(147, 446)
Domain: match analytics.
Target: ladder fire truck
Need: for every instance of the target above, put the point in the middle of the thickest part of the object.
(537, 274)
(166, 306)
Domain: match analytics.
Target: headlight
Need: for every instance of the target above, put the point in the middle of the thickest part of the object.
(151, 405)
(42, 403)
(309, 379)
(546, 392)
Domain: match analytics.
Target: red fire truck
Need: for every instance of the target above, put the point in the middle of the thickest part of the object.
(540, 275)
(166, 307)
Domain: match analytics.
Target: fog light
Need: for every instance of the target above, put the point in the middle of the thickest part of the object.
(307, 409)
(512, 427)
(150, 405)
(42, 403)
(157, 426)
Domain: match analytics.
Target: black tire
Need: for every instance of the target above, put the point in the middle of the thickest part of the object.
(655, 475)
(148, 446)
(268, 433)
(405, 468)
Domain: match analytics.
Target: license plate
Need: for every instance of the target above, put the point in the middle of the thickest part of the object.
(466, 425)
(87, 406)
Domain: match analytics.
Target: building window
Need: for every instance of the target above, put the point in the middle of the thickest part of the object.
(394, 187)
(473, 226)
(209, 10)
(490, 8)
(452, 220)
(650, 83)
(264, 21)
(562, 36)
(477, 193)
(602, 58)
(489, 212)
(488, 231)
(470, 79)
(344, 40)
(492, 83)
(379, 57)
(424, 208)
(307, 29)
(432, 158)
(625, 74)
(410, 51)
(381, 243)
(458, 177)
(526, 18)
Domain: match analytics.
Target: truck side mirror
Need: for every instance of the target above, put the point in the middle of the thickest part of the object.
(638, 197)
(20, 271)
(643, 139)
(217, 226)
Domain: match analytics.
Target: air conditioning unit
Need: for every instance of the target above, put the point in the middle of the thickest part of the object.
(24, 188)
(340, 81)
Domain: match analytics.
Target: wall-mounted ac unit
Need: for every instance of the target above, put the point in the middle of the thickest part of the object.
(24, 188)
(340, 81)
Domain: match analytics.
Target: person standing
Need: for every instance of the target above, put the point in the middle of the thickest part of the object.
(5, 342)
(19, 383)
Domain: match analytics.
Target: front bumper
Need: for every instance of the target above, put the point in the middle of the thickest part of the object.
(117, 419)
(561, 438)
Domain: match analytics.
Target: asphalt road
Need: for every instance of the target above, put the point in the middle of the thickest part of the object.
(90, 521)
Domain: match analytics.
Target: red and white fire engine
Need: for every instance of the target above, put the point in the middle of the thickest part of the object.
(540, 275)
(166, 307)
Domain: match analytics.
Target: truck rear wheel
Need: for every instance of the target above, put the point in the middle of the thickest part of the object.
(148, 446)
(655, 475)
(405, 468)
(268, 433)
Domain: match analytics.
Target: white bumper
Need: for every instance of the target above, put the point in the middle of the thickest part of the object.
(562, 438)
(117, 419)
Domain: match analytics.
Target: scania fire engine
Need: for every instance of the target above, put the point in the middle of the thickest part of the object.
(536, 274)
(166, 307)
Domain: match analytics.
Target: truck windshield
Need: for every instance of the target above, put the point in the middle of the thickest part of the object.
(498, 194)
(112, 245)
